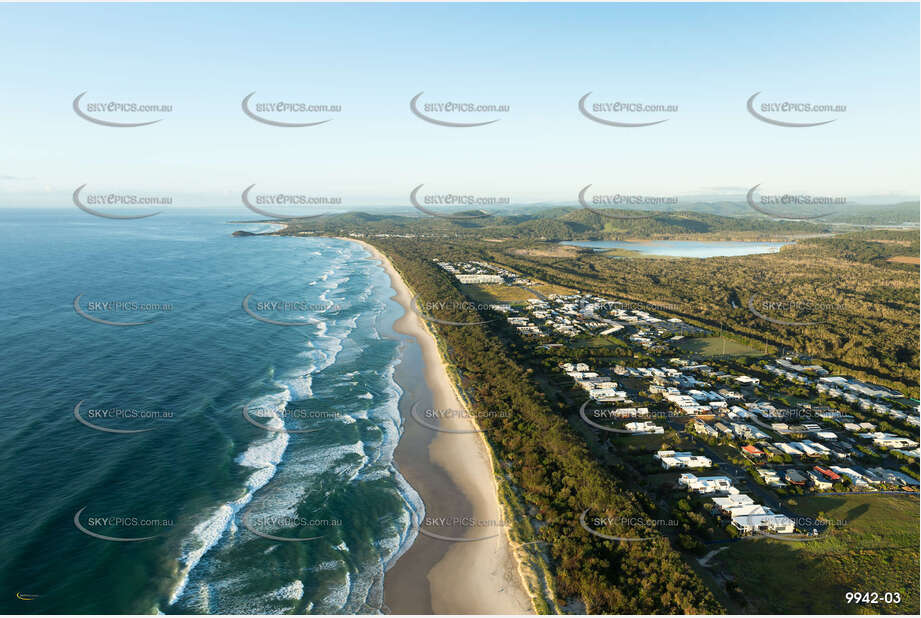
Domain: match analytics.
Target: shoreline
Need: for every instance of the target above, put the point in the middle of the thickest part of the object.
(474, 577)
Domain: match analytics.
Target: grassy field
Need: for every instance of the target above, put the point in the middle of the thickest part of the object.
(513, 294)
(496, 293)
(599, 341)
(717, 346)
(547, 289)
(875, 550)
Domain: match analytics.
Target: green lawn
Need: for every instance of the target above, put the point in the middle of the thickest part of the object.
(717, 346)
(599, 341)
(494, 293)
(513, 294)
(876, 550)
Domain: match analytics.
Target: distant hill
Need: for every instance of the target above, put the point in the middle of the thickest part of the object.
(559, 223)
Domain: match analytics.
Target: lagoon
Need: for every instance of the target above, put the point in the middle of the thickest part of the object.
(683, 248)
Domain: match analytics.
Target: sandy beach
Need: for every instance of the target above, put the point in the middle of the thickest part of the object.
(454, 475)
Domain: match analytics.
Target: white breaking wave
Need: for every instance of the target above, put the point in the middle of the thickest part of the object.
(358, 582)
(263, 456)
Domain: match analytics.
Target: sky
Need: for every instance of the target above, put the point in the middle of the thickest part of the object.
(537, 59)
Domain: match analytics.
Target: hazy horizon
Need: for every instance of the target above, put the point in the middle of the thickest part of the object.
(371, 60)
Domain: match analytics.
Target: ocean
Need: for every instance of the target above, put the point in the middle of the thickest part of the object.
(232, 463)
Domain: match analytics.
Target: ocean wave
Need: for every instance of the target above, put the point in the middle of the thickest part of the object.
(314, 465)
(264, 457)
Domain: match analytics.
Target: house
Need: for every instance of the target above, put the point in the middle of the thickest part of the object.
(789, 449)
(794, 477)
(748, 431)
(728, 503)
(771, 477)
(704, 429)
(893, 477)
(723, 429)
(857, 479)
(644, 427)
(752, 451)
(707, 484)
(671, 460)
(815, 447)
(889, 440)
(806, 449)
(828, 474)
(762, 519)
(479, 278)
(818, 481)
(631, 412)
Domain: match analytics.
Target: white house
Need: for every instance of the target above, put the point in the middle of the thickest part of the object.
(767, 521)
(671, 459)
(889, 440)
(771, 477)
(644, 427)
(707, 484)
(728, 503)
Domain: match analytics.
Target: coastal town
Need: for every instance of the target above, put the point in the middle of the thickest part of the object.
(747, 441)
